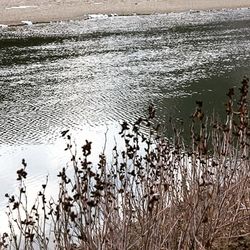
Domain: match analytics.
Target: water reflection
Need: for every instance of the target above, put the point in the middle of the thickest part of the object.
(48, 159)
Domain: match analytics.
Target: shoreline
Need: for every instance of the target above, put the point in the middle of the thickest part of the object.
(17, 12)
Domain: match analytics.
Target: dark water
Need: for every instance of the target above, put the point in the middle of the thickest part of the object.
(89, 75)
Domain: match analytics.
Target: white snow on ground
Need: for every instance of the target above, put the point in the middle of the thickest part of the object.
(27, 22)
(3, 26)
(22, 7)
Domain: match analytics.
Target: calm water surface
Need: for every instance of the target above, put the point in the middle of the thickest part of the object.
(90, 75)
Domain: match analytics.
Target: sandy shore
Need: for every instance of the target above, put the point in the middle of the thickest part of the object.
(12, 12)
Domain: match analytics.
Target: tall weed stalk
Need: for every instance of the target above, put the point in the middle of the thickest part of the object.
(156, 193)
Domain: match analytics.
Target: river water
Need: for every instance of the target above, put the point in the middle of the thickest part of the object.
(87, 76)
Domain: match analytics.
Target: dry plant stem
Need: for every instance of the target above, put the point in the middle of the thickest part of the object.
(155, 193)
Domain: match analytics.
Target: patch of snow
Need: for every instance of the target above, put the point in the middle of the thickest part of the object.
(27, 22)
(21, 7)
(3, 26)
(98, 16)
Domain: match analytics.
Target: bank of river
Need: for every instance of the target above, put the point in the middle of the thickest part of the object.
(13, 12)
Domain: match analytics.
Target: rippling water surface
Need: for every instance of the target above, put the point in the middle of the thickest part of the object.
(89, 75)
